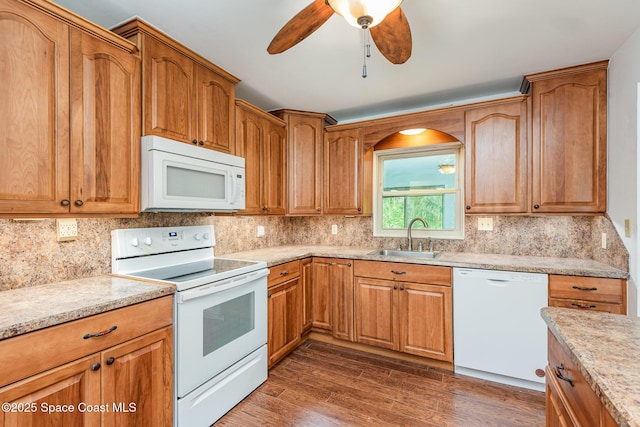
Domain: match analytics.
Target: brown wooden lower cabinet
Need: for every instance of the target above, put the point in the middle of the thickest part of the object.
(588, 293)
(333, 296)
(570, 401)
(127, 382)
(285, 292)
(414, 318)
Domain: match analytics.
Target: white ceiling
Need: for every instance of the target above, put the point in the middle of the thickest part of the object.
(462, 49)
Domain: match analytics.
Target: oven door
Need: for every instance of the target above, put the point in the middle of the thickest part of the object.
(217, 325)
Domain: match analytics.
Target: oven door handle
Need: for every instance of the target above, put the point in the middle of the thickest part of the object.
(220, 286)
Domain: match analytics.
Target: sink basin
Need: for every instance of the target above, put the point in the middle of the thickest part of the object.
(410, 254)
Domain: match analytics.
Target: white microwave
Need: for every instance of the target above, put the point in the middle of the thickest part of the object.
(177, 177)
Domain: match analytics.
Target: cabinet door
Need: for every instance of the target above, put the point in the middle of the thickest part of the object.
(215, 111)
(426, 320)
(496, 159)
(34, 111)
(306, 281)
(71, 385)
(249, 136)
(105, 127)
(284, 319)
(343, 174)
(375, 312)
(167, 89)
(321, 291)
(341, 277)
(274, 168)
(137, 381)
(569, 143)
(305, 165)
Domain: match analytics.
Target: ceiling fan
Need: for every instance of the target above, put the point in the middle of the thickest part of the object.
(383, 18)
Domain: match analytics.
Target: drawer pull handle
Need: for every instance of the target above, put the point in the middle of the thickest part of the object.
(575, 304)
(101, 333)
(580, 288)
(559, 375)
(398, 272)
(284, 273)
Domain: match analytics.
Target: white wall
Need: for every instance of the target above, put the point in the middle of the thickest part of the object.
(623, 153)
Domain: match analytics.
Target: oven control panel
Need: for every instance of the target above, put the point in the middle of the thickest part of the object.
(132, 242)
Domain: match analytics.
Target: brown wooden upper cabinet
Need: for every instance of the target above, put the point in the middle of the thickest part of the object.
(305, 160)
(261, 140)
(569, 139)
(70, 126)
(344, 172)
(496, 158)
(185, 97)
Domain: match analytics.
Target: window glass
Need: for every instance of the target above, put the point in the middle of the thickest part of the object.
(422, 183)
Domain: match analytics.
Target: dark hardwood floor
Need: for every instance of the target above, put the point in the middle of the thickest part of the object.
(321, 385)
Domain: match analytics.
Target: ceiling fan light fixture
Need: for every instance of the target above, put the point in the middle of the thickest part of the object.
(373, 10)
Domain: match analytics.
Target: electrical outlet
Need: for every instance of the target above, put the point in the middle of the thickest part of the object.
(627, 228)
(260, 231)
(604, 240)
(485, 224)
(334, 229)
(67, 229)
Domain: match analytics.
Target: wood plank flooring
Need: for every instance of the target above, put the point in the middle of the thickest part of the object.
(320, 385)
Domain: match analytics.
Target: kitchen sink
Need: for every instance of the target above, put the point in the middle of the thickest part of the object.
(410, 254)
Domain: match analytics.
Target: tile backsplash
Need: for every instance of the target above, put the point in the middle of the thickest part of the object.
(30, 254)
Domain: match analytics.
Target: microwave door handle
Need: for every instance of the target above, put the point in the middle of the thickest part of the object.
(233, 189)
(223, 285)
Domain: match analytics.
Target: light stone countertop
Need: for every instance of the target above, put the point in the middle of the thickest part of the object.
(606, 349)
(36, 307)
(531, 264)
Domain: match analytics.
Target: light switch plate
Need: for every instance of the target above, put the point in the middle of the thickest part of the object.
(260, 231)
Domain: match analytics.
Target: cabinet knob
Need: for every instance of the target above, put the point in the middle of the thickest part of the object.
(200, 142)
(95, 366)
(78, 203)
(319, 209)
(468, 207)
(402, 288)
(395, 286)
(65, 202)
(359, 209)
(264, 209)
(536, 206)
(110, 360)
(195, 142)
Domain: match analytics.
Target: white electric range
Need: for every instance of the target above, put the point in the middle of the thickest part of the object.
(220, 315)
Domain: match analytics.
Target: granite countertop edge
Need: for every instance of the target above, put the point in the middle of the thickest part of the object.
(113, 292)
(594, 374)
(276, 255)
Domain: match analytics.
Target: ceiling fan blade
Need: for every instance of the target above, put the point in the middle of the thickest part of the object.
(393, 37)
(301, 26)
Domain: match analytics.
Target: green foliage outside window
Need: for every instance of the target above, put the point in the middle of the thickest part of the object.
(398, 211)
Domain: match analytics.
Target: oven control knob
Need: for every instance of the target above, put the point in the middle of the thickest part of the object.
(205, 236)
(135, 242)
(197, 236)
(147, 241)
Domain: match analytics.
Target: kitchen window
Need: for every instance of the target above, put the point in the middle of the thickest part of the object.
(423, 182)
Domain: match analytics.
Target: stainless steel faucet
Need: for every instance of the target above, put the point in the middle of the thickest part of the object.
(410, 245)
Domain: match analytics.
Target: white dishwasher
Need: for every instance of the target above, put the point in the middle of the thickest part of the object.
(498, 332)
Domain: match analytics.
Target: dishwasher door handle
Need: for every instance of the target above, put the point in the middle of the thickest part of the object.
(502, 283)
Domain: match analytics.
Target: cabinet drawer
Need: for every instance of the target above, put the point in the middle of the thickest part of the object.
(283, 272)
(587, 305)
(581, 398)
(37, 351)
(415, 273)
(587, 288)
